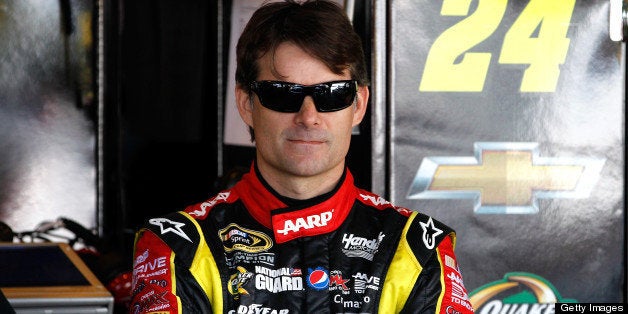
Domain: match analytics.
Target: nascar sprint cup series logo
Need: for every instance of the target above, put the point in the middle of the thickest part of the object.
(235, 237)
(518, 292)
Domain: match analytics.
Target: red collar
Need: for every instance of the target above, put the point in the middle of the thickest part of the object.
(288, 223)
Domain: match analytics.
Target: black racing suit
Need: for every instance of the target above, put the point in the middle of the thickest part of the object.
(249, 250)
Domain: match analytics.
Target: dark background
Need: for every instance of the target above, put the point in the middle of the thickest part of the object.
(166, 65)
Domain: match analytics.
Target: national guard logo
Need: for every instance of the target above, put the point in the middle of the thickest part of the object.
(505, 178)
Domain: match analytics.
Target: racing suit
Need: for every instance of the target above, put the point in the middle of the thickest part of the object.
(250, 250)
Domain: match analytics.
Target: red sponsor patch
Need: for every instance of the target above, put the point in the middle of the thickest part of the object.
(404, 211)
(374, 200)
(200, 211)
(456, 299)
(152, 276)
(370, 199)
(307, 222)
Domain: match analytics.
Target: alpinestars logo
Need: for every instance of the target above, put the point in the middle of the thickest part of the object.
(430, 232)
(167, 225)
(309, 222)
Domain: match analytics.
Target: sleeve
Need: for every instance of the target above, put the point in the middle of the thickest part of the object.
(153, 287)
(162, 278)
(440, 288)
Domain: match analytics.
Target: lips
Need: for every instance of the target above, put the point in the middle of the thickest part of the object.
(307, 137)
(304, 147)
(300, 141)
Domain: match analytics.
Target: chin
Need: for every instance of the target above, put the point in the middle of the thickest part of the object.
(305, 167)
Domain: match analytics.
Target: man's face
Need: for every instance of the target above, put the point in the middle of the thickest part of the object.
(306, 143)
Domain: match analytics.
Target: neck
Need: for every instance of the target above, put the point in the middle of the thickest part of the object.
(300, 187)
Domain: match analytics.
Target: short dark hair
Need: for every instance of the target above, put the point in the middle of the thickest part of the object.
(319, 27)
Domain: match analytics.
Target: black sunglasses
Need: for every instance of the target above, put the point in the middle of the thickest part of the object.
(288, 97)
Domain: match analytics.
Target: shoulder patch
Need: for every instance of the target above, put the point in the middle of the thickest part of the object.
(370, 199)
(424, 235)
(200, 211)
(374, 200)
(178, 232)
(404, 211)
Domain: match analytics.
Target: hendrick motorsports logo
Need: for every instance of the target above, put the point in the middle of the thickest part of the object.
(518, 292)
(505, 178)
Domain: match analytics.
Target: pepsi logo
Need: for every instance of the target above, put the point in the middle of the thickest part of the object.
(318, 278)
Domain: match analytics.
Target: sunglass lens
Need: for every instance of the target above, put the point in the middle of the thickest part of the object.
(336, 96)
(279, 96)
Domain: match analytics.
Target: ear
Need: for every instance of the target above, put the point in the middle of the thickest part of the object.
(244, 104)
(361, 103)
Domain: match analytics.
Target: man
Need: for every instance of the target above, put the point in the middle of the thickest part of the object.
(295, 235)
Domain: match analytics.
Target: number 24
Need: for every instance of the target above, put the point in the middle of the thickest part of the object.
(544, 52)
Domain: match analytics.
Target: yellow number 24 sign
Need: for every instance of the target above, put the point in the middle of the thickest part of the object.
(538, 38)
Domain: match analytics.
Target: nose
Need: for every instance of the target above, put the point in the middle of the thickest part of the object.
(308, 115)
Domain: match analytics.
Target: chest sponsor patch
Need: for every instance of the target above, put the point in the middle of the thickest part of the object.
(278, 280)
(318, 278)
(257, 308)
(362, 282)
(356, 246)
(236, 258)
(235, 237)
(237, 281)
(292, 225)
(337, 282)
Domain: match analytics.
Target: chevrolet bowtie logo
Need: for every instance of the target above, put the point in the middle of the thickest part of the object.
(505, 178)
